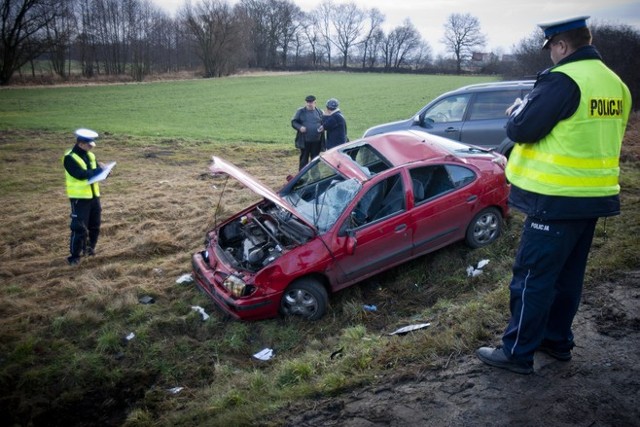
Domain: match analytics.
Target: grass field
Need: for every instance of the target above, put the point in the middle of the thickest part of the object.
(247, 108)
(64, 358)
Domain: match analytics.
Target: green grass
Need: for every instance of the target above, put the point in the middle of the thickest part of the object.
(62, 329)
(250, 108)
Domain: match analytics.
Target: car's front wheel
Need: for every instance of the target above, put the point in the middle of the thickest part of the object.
(484, 228)
(305, 298)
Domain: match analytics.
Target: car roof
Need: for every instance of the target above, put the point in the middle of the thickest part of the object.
(399, 148)
(481, 87)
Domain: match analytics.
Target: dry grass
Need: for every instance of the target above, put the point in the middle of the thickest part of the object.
(62, 350)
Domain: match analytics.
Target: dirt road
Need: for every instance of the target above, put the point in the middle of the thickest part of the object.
(600, 386)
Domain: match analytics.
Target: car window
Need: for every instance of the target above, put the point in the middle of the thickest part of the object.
(450, 109)
(492, 105)
(367, 158)
(460, 176)
(431, 181)
(383, 199)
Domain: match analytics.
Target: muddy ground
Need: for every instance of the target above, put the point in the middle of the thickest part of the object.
(600, 386)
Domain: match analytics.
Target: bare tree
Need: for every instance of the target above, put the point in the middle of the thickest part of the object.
(348, 22)
(376, 18)
(529, 57)
(23, 34)
(399, 46)
(620, 49)
(215, 30)
(312, 37)
(322, 17)
(60, 32)
(461, 35)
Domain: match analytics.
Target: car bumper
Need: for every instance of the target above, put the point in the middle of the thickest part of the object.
(247, 308)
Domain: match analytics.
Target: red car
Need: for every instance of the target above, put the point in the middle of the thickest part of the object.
(352, 212)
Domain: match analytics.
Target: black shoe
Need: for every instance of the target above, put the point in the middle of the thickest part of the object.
(91, 252)
(496, 357)
(73, 261)
(562, 355)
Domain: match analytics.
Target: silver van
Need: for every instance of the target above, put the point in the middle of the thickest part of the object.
(473, 114)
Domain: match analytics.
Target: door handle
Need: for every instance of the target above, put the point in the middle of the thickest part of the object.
(400, 227)
(472, 198)
(451, 129)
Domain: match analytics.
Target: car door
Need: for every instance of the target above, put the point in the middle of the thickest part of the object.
(444, 206)
(485, 121)
(380, 225)
(445, 118)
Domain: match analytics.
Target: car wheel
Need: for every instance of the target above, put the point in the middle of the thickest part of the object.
(305, 298)
(484, 228)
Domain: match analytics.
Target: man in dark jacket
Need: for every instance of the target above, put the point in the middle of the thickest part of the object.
(334, 124)
(564, 175)
(309, 140)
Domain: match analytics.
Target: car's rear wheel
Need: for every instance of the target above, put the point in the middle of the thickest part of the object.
(306, 298)
(484, 228)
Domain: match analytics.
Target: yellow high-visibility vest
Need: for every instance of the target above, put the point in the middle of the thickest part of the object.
(79, 188)
(580, 156)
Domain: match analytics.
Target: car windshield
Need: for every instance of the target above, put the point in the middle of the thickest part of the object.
(321, 194)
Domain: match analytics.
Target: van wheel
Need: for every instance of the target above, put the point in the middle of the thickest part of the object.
(306, 298)
(484, 228)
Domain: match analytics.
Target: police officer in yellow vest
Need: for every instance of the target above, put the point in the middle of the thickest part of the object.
(564, 176)
(80, 166)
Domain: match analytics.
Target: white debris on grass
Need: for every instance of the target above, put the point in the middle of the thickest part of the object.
(200, 310)
(185, 278)
(130, 336)
(175, 390)
(476, 271)
(265, 354)
(410, 328)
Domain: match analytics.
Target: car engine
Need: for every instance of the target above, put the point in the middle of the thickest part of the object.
(257, 238)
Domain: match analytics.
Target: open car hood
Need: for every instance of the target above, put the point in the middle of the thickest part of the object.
(219, 166)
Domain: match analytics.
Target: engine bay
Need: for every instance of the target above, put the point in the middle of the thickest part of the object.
(257, 238)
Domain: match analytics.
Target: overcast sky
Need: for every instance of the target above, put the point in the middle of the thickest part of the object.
(504, 22)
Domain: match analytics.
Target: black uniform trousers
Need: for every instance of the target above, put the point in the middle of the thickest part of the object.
(85, 226)
(546, 287)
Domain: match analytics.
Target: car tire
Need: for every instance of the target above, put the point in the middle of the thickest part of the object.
(484, 228)
(306, 298)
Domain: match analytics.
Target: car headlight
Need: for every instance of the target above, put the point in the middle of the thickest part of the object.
(235, 285)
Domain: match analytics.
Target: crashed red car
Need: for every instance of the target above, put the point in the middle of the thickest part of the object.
(352, 212)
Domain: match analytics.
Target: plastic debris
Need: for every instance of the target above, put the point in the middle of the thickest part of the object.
(130, 336)
(476, 271)
(410, 328)
(200, 310)
(146, 300)
(370, 307)
(482, 263)
(337, 353)
(185, 278)
(265, 354)
(175, 390)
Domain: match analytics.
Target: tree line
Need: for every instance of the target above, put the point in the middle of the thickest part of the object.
(135, 38)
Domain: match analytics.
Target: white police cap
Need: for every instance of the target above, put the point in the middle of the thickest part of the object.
(86, 135)
(556, 27)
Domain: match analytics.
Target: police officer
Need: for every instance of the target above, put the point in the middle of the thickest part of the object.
(80, 166)
(564, 176)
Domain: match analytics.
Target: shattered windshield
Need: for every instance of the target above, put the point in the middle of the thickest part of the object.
(320, 195)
